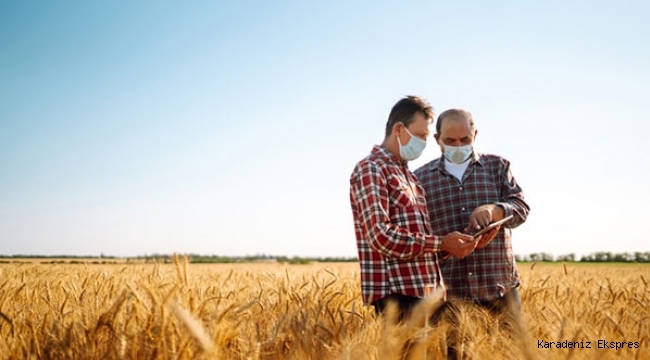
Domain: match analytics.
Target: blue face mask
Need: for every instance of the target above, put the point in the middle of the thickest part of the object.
(413, 149)
(458, 154)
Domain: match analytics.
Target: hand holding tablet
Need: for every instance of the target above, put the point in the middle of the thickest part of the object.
(491, 226)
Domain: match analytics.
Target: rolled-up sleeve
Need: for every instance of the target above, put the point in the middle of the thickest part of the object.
(512, 197)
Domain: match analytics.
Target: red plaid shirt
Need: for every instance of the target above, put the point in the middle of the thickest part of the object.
(490, 272)
(391, 224)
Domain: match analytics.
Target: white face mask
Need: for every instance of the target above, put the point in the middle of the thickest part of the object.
(458, 154)
(413, 149)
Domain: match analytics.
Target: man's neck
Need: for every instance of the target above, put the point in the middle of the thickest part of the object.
(391, 145)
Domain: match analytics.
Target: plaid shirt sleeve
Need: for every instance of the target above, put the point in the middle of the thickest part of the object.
(369, 189)
(511, 197)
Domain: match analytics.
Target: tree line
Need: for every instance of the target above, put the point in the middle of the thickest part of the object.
(597, 257)
(600, 256)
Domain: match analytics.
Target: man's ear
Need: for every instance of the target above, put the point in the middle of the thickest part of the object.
(397, 129)
(437, 137)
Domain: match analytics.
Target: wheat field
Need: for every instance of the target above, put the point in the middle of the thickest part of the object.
(312, 311)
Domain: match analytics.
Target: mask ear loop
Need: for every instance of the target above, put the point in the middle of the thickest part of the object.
(400, 135)
(407, 131)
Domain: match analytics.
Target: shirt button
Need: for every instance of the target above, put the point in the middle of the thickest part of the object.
(462, 208)
(460, 188)
(470, 273)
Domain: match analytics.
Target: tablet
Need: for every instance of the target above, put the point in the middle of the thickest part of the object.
(492, 226)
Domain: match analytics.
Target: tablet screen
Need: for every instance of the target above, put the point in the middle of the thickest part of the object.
(492, 226)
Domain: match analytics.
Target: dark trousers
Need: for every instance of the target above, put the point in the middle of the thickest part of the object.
(510, 302)
(404, 305)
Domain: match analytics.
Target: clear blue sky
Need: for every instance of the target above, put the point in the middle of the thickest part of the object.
(231, 128)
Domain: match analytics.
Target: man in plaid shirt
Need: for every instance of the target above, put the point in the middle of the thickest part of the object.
(397, 251)
(466, 191)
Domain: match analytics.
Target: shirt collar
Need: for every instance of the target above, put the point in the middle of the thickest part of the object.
(439, 164)
(387, 155)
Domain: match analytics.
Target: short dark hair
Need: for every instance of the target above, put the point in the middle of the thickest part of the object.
(404, 110)
(454, 113)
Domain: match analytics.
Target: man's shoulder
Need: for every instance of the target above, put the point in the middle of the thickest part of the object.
(427, 168)
(493, 159)
(371, 163)
(371, 160)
